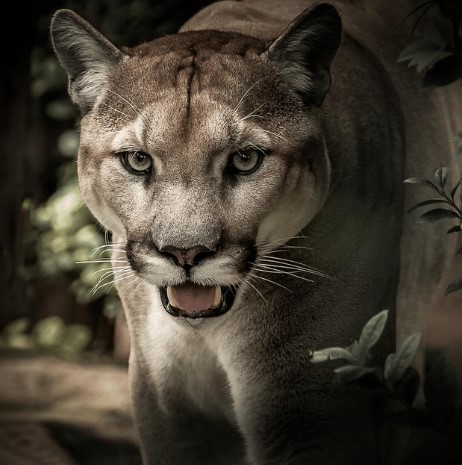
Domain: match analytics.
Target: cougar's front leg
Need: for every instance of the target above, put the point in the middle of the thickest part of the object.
(289, 419)
(177, 394)
(289, 410)
(180, 398)
(173, 431)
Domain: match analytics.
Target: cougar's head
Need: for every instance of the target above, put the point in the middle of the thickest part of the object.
(202, 150)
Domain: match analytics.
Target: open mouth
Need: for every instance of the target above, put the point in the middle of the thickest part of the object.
(192, 300)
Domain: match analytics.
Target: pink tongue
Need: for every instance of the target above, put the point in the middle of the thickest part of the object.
(192, 297)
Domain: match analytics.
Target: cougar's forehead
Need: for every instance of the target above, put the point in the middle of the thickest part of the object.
(189, 63)
(183, 86)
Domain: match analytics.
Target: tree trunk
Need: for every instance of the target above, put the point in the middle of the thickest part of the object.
(23, 158)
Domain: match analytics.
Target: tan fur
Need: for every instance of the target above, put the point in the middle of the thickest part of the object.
(240, 388)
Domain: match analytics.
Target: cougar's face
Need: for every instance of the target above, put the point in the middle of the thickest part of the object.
(202, 160)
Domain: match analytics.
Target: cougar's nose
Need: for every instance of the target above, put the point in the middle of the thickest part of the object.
(186, 258)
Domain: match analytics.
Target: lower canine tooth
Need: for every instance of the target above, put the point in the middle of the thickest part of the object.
(217, 297)
(170, 297)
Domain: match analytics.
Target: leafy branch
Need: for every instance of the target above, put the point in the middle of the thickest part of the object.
(398, 382)
(451, 210)
(438, 52)
(358, 356)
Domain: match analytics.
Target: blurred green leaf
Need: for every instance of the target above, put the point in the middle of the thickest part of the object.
(19, 326)
(61, 110)
(20, 341)
(425, 203)
(454, 286)
(454, 189)
(371, 333)
(332, 353)
(74, 341)
(355, 349)
(437, 214)
(49, 331)
(454, 229)
(349, 373)
(397, 364)
(421, 181)
(441, 176)
(420, 53)
(112, 306)
(68, 143)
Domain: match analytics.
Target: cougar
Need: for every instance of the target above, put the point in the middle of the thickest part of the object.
(250, 169)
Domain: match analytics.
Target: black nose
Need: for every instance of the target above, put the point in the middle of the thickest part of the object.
(187, 258)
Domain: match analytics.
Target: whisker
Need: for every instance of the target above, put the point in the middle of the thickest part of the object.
(114, 109)
(138, 285)
(292, 267)
(124, 275)
(103, 249)
(279, 242)
(294, 263)
(245, 94)
(247, 282)
(269, 281)
(130, 283)
(298, 247)
(106, 251)
(286, 266)
(107, 275)
(288, 261)
(112, 269)
(130, 103)
(112, 244)
(253, 113)
(271, 271)
(256, 147)
(276, 135)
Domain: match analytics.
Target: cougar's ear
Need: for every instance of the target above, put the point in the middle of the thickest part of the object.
(304, 51)
(85, 54)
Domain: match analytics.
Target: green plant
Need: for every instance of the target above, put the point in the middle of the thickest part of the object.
(449, 207)
(394, 386)
(50, 335)
(438, 51)
(65, 237)
(397, 377)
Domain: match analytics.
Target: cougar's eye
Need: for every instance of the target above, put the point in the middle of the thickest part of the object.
(136, 162)
(246, 161)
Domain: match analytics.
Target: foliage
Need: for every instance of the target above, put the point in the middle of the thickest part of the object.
(65, 237)
(396, 385)
(438, 51)
(449, 207)
(50, 335)
(359, 356)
